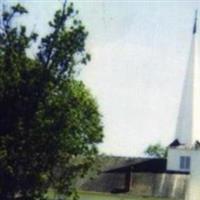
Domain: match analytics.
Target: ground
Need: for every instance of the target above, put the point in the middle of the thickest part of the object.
(101, 196)
(106, 196)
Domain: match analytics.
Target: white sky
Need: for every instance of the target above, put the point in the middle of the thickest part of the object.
(139, 56)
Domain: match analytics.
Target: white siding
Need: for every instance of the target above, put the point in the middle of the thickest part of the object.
(173, 158)
(193, 192)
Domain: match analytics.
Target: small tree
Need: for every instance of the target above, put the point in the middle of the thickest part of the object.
(49, 122)
(156, 150)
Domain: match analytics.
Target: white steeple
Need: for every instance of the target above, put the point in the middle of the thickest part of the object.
(188, 122)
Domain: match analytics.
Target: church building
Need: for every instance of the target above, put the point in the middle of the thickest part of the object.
(184, 152)
(177, 176)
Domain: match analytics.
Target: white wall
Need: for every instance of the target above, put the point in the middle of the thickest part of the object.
(193, 190)
(173, 158)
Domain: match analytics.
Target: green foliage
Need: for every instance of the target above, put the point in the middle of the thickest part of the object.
(156, 150)
(49, 122)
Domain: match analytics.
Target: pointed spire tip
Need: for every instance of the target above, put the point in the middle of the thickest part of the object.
(195, 22)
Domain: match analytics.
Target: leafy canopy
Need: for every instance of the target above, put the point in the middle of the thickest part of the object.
(156, 150)
(49, 122)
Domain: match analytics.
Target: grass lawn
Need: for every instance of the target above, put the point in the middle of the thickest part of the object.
(106, 196)
(102, 196)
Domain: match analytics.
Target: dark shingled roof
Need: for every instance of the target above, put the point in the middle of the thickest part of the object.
(145, 165)
(175, 143)
(153, 165)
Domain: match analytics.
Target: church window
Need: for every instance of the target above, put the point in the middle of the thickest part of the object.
(185, 162)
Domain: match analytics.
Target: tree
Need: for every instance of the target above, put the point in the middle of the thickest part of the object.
(156, 150)
(49, 122)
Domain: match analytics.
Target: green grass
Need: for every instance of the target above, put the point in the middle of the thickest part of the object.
(106, 196)
(102, 196)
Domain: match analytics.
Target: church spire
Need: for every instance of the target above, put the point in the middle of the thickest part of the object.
(188, 122)
(195, 22)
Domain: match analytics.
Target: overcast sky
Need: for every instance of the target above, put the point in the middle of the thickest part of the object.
(139, 56)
